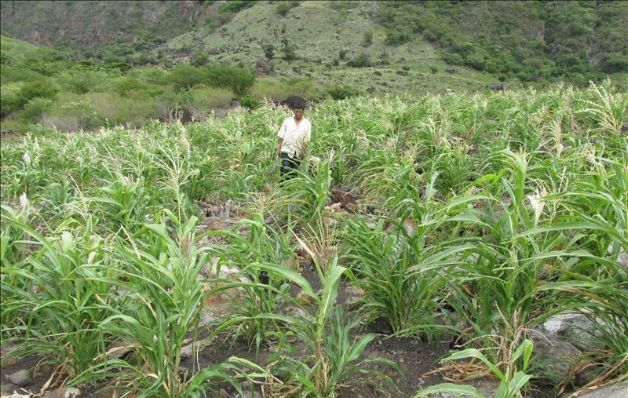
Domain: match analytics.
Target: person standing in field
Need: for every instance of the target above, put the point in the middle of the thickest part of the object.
(293, 139)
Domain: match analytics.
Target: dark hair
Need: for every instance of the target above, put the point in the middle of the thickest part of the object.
(295, 102)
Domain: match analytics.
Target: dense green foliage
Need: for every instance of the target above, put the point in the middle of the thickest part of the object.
(574, 40)
(478, 216)
(46, 89)
(114, 31)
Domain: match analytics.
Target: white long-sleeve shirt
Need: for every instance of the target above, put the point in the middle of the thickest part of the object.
(295, 136)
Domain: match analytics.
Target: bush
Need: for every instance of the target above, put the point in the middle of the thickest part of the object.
(614, 63)
(34, 109)
(200, 59)
(204, 98)
(12, 102)
(249, 102)
(283, 8)
(238, 79)
(342, 92)
(8, 102)
(476, 61)
(149, 75)
(235, 6)
(46, 68)
(38, 90)
(269, 51)
(78, 82)
(126, 87)
(397, 37)
(367, 39)
(115, 110)
(186, 76)
(74, 116)
(360, 61)
(288, 49)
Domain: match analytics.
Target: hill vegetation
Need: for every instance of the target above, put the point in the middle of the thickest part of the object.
(572, 40)
(139, 61)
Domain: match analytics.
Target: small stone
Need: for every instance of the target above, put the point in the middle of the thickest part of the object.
(20, 378)
(612, 391)
(223, 393)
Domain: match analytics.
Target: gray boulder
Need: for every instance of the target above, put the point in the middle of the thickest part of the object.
(612, 391)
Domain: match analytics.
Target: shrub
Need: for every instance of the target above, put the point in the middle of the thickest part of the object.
(397, 37)
(203, 98)
(126, 87)
(360, 61)
(41, 89)
(249, 102)
(342, 92)
(34, 109)
(614, 63)
(476, 61)
(8, 103)
(367, 39)
(269, 51)
(235, 6)
(288, 49)
(186, 76)
(200, 59)
(283, 8)
(149, 75)
(115, 110)
(238, 79)
(46, 68)
(76, 82)
(74, 116)
(12, 102)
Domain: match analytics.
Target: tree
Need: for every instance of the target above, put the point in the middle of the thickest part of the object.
(238, 79)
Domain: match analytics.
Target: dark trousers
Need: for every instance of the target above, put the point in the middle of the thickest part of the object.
(288, 165)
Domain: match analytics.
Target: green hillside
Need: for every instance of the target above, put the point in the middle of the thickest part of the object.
(139, 61)
(90, 25)
(574, 40)
(328, 41)
(527, 41)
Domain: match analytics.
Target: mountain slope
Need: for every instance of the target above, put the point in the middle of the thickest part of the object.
(357, 46)
(89, 25)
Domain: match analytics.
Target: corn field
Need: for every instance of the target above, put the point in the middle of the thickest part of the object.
(467, 218)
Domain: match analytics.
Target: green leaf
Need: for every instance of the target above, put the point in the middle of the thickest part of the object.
(519, 381)
(525, 349)
(290, 275)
